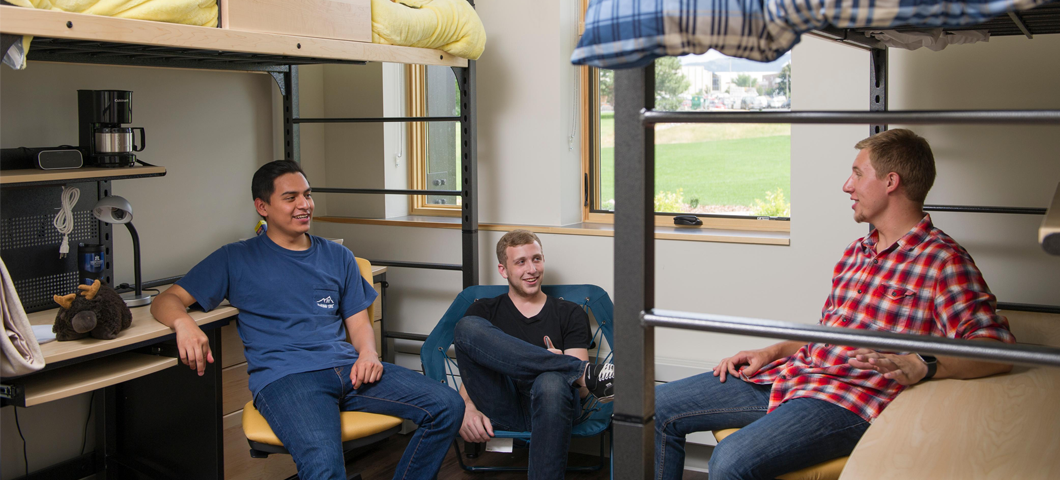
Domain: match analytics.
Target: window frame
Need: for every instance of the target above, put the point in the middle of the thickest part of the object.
(416, 105)
(590, 166)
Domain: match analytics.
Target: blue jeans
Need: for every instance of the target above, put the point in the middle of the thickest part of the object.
(521, 387)
(303, 411)
(800, 433)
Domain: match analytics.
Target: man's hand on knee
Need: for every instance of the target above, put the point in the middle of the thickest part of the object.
(746, 363)
(366, 369)
(477, 427)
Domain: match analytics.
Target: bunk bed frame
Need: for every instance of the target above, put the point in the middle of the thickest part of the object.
(634, 264)
(78, 38)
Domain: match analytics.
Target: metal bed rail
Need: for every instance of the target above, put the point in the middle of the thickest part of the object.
(390, 191)
(839, 117)
(427, 266)
(376, 119)
(886, 341)
(467, 120)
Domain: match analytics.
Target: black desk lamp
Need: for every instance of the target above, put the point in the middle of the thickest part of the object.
(115, 209)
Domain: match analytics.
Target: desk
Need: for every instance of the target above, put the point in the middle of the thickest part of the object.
(139, 426)
(150, 418)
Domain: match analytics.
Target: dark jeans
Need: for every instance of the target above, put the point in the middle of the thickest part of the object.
(303, 411)
(521, 387)
(800, 433)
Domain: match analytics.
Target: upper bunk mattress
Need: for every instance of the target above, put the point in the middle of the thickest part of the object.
(633, 33)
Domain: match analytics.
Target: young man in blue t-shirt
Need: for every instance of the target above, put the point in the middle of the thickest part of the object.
(298, 295)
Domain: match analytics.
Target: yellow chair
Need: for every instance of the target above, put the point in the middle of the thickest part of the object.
(829, 470)
(358, 428)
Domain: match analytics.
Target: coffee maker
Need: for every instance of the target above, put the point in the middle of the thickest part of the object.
(103, 139)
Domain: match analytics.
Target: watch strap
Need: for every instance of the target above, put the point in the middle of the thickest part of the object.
(932, 366)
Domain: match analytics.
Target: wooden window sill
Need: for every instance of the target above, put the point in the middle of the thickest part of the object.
(689, 234)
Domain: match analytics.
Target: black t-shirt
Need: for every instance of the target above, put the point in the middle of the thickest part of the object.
(565, 323)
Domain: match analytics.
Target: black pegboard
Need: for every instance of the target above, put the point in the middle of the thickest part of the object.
(29, 242)
(38, 230)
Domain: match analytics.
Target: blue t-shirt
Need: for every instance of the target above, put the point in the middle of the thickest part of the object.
(291, 303)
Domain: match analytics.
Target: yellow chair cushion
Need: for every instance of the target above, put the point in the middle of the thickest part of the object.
(829, 470)
(354, 425)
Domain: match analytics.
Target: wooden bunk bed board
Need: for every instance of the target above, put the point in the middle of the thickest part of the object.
(213, 41)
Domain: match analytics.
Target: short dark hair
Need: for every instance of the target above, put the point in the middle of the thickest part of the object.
(514, 238)
(905, 153)
(264, 182)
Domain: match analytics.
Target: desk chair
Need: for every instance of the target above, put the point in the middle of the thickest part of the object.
(440, 366)
(358, 428)
(829, 470)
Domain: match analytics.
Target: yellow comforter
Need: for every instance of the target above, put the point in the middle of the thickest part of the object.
(448, 25)
(189, 12)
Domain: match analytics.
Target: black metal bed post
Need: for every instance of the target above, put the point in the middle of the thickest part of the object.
(291, 129)
(877, 85)
(465, 78)
(634, 417)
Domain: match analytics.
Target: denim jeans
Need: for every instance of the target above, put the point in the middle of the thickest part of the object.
(801, 432)
(303, 411)
(521, 387)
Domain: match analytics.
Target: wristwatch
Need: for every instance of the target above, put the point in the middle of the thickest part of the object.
(932, 364)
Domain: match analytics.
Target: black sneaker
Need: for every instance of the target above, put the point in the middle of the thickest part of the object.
(600, 379)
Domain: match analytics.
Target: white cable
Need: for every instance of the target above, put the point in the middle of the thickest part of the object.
(64, 220)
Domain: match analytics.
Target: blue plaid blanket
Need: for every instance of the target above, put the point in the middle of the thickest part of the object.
(633, 33)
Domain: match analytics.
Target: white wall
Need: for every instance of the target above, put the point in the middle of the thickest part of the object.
(524, 81)
(211, 130)
(395, 146)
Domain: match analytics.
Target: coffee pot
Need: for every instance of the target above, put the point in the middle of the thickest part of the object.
(104, 140)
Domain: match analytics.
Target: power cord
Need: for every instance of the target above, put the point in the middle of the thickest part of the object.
(25, 459)
(126, 286)
(84, 436)
(64, 220)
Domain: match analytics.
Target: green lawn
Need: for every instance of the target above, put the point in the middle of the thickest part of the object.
(717, 172)
(695, 132)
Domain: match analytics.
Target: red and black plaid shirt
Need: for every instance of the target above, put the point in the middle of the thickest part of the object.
(924, 284)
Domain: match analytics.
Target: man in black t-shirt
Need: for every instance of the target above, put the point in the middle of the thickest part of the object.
(523, 358)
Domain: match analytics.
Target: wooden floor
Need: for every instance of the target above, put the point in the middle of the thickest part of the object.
(380, 461)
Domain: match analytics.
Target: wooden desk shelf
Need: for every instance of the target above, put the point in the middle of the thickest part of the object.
(34, 177)
(144, 328)
(88, 377)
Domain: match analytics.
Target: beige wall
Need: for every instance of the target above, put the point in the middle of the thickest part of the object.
(211, 130)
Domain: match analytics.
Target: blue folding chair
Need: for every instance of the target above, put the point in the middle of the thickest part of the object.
(440, 366)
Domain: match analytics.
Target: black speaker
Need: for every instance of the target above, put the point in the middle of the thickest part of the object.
(46, 158)
(58, 159)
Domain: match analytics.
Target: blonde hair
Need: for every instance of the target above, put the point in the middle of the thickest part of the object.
(903, 152)
(514, 238)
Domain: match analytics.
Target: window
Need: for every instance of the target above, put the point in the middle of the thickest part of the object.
(434, 147)
(730, 175)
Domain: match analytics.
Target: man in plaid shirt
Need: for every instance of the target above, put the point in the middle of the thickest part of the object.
(799, 404)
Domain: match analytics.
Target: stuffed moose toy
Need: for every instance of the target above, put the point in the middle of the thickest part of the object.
(96, 310)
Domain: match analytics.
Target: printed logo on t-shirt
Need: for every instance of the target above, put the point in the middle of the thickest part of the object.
(326, 302)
